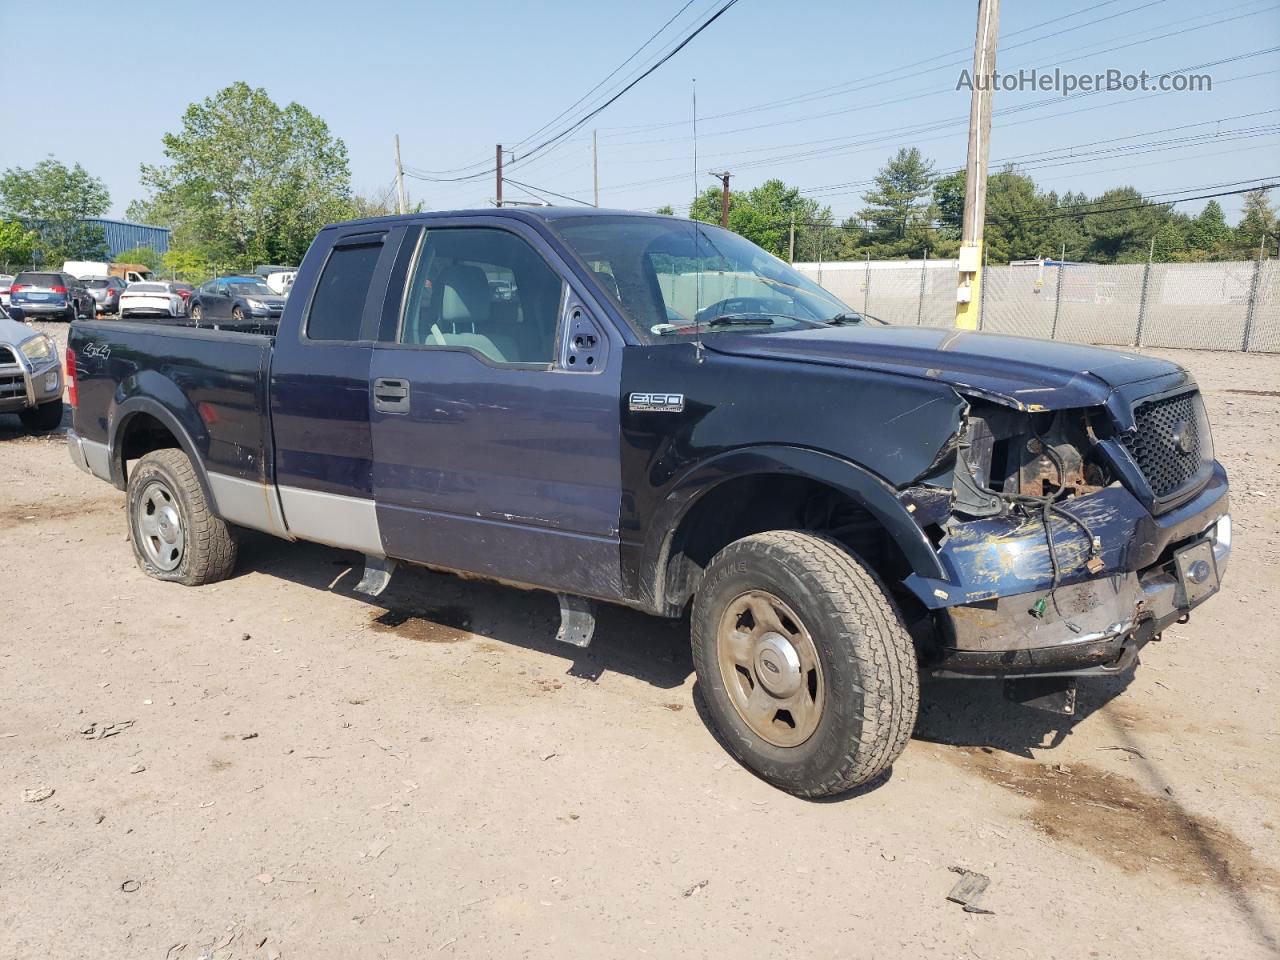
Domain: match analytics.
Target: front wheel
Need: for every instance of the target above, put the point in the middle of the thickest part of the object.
(237, 315)
(196, 313)
(175, 535)
(807, 670)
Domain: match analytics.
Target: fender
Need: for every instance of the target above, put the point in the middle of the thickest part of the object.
(860, 485)
(192, 442)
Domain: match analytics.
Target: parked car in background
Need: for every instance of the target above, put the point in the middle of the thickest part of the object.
(106, 292)
(45, 294)
(151, 299)
(186, 291)
(6, 280)
(236, 300)
(30, 375)
(281, 281)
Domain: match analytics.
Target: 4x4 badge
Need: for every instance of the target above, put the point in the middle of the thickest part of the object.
(657, 402)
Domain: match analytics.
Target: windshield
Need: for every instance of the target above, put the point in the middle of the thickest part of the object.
(678, 278)
(249, 289)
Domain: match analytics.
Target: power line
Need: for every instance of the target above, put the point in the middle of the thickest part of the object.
(536, 190)
(596, 111)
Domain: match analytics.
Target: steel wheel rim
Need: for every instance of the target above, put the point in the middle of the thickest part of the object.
(159, 525)
(770, 668)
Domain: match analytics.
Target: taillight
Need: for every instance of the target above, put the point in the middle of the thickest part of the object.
(58, 289)
(71, 377)
(17, 286)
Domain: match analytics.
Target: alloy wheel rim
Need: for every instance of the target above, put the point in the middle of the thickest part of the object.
(159, 524)
(770, 668)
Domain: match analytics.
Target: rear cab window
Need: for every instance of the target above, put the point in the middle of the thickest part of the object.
(337, 306)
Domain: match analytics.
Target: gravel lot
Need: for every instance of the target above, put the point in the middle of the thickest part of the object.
(308, 774)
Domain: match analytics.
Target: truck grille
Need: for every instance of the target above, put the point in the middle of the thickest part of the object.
(1166, 443)
(12, 385)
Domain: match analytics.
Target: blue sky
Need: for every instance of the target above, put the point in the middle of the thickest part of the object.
(453, 79)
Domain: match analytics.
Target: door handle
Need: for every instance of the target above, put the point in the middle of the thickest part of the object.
(390, 395)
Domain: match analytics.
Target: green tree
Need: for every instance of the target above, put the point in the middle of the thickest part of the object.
(248, 181)
(764, 215)
(1208, 235)
(901, 198)
(17, 243)
(1118, 226)
(149, 256)
(667, 210)
(948, 198)
(1258, 220)
(55, 201)
(188, 265)
(1170, 241)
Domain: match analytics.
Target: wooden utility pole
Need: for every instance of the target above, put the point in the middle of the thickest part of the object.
(402, 202)
(595, 167)
(498, 196)
(968, 290)
(791, 241)
(724, 197)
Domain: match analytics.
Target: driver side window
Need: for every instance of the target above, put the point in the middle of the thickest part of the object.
(485, 290)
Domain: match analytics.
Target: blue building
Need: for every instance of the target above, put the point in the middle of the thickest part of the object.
(122, 235)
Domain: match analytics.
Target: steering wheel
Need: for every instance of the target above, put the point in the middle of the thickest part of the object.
(736, 305)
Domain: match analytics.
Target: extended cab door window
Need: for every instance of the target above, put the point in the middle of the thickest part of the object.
(337, 306)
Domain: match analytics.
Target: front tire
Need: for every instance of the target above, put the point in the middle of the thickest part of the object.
(197, 314)
(806, 668)
(46, 417)
(237, 315)
(175, 535)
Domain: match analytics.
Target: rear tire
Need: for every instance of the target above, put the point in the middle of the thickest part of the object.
(46, 417)
(174, 534)
(838, 700)
(72, 313)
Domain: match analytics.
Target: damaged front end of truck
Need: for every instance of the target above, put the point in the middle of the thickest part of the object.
(1070, 537)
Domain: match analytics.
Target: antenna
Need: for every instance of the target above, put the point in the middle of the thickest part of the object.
(697, 258)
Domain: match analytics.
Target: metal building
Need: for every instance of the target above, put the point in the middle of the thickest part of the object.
(123, 235)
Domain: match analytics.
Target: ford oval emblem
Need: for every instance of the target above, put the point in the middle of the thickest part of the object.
(1182, 437)
(1198, 572)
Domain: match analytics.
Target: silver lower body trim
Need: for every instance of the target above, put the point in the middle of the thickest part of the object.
(337, 521)
(90, 456)
(248, 503)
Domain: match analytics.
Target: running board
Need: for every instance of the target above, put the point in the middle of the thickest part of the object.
(377, 574)
(577, 620)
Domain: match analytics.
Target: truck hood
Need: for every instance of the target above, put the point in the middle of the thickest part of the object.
(1023, 372)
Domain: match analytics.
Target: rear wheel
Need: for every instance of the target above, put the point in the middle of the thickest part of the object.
(47, 416)
(807, 670)
(175, 535)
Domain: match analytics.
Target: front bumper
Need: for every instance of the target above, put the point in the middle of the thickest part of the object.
(23, 386)
(1000, 618)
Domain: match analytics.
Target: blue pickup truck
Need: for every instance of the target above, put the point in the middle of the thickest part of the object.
(648, 411)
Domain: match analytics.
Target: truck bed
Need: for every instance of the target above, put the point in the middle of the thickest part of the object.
(214, 382)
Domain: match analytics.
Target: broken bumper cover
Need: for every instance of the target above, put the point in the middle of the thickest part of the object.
(1155, 571)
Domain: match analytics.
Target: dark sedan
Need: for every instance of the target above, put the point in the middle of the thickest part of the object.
(237, 300)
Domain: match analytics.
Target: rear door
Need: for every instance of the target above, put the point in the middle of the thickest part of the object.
(320, 388)
(495, 421)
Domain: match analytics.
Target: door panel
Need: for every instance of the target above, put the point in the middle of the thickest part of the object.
(320, 392)
(505, 468)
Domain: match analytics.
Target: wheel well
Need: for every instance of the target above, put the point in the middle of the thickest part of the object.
(753, 504)
(142, 434)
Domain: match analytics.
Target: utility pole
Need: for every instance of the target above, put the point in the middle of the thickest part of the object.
(595, 166)
(402, 202)
(498, 196)
(968, 291)
(724, 197)
(791, 241)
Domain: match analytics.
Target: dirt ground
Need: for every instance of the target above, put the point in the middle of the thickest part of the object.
(302, 773)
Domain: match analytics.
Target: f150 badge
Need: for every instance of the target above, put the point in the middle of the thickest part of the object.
(657, 402)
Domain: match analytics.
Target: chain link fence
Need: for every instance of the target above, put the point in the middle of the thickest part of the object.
(1202, 306)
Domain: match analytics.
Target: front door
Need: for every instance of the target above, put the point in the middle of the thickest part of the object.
(494, 396)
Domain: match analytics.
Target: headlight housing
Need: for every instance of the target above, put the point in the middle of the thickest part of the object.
(256, 304)
(38, 349)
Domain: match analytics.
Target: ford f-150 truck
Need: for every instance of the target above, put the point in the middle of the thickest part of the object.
(649, 411)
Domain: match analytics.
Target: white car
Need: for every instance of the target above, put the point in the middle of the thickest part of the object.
(152, 299)
(6, 281)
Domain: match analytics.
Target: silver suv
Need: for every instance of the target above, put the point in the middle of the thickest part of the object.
(30, 375)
